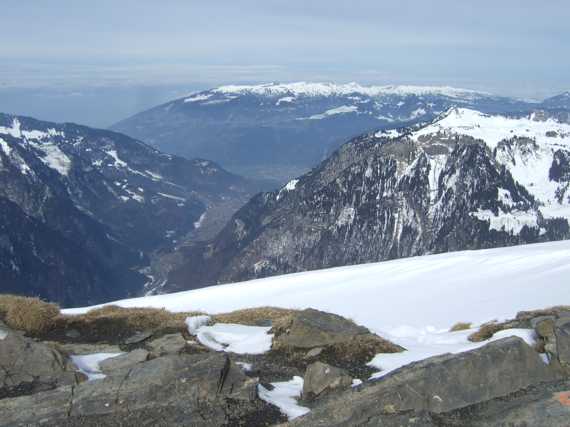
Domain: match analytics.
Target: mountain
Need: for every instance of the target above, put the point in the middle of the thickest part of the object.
(84, 211)
(282, 130)
(561, 101)
(466, 180)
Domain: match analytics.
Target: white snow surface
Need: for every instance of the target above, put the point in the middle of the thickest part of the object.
(89, 364)
(298, 89)
(284, 395)
(343, 109)
(235, 338)
(193, 323)
(53, 157)
(471, 286)
(412, 302)
(290, 186)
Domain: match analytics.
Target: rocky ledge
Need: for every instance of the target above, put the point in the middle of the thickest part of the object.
(279, 367)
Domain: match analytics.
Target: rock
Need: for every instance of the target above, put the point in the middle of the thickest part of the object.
(125, 360)
(320, 378)
(562, 333)
(167, 344)
(72, 333)
(311, 328)
(81, 349)
(198, 390)
(138, 337)
(310, 335)
(28, 366)
(544, 405)
(314, 352)
(439, 384)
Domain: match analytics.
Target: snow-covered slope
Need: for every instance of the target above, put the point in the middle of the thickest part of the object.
(279, 129)
(432, 290)
(413, 301)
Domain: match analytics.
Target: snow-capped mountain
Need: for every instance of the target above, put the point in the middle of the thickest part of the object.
(277, 130)
(83, 208)
(466, 180)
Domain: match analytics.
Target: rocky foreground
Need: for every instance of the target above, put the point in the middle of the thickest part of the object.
(165, 374)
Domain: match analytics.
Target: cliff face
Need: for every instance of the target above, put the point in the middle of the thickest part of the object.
(465, 181)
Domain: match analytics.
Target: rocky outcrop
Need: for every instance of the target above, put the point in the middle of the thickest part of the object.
(27, 366)
(438, 385)
(201, 390)
(311, 335)
(554, 331)
(321, 378)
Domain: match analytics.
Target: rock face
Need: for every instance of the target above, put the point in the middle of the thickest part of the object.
(82, 209)
(201, 390)
(464, 181)
(28, 367)
(167, 344)
(278, 130)
(123, 361)
(320, 378)
(438, 385)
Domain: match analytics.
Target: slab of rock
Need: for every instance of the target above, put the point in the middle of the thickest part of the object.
(311, 335)
(562, 333)
(125, 360)
(198, 390)
(81, 349)
(27, 366)
(321, 378)
(438, 384)
(167, 344)
(138, 337)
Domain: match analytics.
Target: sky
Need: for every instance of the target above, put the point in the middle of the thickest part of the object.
(98, 62)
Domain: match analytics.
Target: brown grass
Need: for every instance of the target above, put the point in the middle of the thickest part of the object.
(125, 320)
(486, 331)
(30, 315)
(460, 326)
(253, 316)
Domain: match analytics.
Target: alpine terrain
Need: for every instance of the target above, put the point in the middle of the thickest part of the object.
(282, 130)
(466, 180)
(84, 211)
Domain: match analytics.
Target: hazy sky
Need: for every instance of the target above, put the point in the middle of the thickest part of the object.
(168, 47)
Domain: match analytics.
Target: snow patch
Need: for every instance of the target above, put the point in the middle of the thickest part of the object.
(290, 186)
(171, 196)
(344, 109)
(5, 147)
(53, 157)
(3, 334)
(235, 338)
(195, 322)
(285, 99)
(198, 223)
(198, 97)
(284, 395)
(346, 216)
(118, 163)
(89, 364)
(511, 222)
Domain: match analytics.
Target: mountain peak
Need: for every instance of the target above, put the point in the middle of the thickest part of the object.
(312, 89)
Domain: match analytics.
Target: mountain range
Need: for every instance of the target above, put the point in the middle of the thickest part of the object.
(279, 131)
(85, 211)
(466, 180)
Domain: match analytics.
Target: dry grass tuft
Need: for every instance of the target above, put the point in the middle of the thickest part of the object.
(254, 316)
(30, 315)
(133, 318)
(486, 331)
(460, 326)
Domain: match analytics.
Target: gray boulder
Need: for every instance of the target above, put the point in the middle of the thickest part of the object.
(311, 335)
(167, 344)
(27, 366)
(320, 378)
(438, 384)
(198, 390)
(125, 360)
(562, 333)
